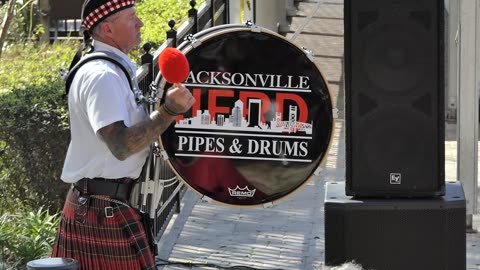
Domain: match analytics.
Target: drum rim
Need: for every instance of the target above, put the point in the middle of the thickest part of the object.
(228, 28)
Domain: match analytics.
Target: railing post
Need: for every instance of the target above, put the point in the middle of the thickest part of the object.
(147, 58)
(178, 199)
(226, 12)
(212, 11)
(172, 33)
(193, 14)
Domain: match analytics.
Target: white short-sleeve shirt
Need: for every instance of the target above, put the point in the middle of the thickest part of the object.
(99, 96)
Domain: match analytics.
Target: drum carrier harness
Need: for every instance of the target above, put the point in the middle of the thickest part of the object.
(78, 61)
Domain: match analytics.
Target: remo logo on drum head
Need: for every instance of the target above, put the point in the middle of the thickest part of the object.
(262, 121)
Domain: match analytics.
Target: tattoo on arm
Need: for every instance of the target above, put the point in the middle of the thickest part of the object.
(125, 141)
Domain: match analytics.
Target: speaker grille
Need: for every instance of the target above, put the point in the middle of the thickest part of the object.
(402, 153)
(392, 59)
(394, 95)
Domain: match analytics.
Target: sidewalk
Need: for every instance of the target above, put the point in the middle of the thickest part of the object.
(290, 234)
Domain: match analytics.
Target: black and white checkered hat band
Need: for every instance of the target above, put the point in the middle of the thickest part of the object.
(104, 10)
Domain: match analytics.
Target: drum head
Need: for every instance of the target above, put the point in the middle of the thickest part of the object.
(262, 121)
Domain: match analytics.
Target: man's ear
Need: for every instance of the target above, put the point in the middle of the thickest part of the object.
(106, 29)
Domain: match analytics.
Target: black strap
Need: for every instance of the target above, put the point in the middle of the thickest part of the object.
(87, 58)
(85, 46)
(119, 189)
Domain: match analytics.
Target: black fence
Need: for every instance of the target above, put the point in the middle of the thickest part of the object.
(160, 191)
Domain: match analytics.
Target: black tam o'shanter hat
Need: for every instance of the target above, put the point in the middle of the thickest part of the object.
(95, 11)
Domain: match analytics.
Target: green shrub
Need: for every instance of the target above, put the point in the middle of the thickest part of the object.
(156, 14)
(33, 65)
(34, 131)
(26, 236)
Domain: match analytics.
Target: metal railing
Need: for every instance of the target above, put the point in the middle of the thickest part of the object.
(65, 29)
(160, 191)
(61, 18)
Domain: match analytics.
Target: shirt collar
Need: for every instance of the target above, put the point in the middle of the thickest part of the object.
(104, 47)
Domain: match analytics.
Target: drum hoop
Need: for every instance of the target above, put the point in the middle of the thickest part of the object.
(228, 28)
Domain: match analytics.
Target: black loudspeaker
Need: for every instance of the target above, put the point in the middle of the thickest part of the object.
(396, 234)
(394, 97)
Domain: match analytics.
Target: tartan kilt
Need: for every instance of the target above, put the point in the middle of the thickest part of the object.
(103, 242)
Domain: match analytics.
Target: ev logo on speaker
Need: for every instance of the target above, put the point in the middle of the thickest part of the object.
(395, 178)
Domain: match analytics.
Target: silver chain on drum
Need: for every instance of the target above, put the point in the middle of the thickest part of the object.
(152, 98)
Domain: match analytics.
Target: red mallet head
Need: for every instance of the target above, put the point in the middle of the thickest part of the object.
(173, 65)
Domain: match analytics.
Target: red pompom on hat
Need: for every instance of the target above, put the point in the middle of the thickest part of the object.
(173, 65)
(95, 11)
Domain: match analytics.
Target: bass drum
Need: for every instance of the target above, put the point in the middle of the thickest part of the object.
(262, 121)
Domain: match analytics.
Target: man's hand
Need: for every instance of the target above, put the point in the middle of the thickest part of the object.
(178, 100)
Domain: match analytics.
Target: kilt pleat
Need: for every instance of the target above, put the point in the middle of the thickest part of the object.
(103, 242)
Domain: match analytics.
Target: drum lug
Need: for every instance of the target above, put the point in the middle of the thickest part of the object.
(206, 199)
(249, 23)
(256, 29)
(267, 205)
(335, 113)
(193, 41)
(157, 151)
(253, 26)
(309, 53)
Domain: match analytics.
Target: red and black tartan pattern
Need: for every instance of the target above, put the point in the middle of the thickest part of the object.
(102, 242)
(104, 10)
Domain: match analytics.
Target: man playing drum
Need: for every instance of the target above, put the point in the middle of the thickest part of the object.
(110, 138)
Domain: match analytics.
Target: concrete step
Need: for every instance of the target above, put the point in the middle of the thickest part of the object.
(324, 36)
(326, 10)
(320, 26)
(325, 46)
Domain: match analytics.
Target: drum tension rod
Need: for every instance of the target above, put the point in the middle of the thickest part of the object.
(156, 150)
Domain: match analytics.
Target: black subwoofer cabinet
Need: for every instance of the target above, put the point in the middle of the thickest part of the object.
(396, 234)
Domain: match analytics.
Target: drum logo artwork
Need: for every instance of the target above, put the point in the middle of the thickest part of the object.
(239, 192)
(246, 118)
(258, 129)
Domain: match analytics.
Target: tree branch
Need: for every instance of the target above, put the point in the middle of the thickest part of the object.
(6, 24)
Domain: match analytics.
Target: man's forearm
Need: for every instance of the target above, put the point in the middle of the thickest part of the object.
(125, 141)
